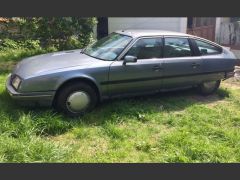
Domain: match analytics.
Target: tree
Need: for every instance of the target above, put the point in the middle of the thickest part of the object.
(60, 32)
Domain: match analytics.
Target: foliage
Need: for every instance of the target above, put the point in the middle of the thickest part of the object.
(11, 50)
(58, 32)
(9, 44)
(9, 55)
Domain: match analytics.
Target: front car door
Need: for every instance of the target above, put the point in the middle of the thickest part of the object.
(142, 76)
(181, 65)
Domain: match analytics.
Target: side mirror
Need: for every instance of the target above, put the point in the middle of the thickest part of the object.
(129, 59)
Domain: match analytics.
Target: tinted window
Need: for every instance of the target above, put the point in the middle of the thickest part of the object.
(206, 48)
(147, 48)
(176, 47)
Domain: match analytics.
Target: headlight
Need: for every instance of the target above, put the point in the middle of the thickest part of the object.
(16, 81)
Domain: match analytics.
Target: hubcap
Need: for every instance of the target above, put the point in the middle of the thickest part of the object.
(78, 101)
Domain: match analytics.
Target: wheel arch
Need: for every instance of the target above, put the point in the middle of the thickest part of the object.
(86, 80)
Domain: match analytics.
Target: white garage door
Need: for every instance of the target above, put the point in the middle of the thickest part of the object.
(178, 24)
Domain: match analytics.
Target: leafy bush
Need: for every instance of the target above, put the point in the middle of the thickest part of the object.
(7, 44)
(18, 54)
(72, 43)
(23, 37)
(30, 44)
(58, 32)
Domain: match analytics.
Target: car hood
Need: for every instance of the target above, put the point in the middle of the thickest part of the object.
(52, 61)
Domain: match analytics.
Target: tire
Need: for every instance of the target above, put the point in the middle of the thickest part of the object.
(207, 88)
(75, 99)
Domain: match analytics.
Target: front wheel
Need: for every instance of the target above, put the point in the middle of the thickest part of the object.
(208, 88)
(76, 98)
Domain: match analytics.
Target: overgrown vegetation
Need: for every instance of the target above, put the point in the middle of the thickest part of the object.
(49, 32)
(23, 37)
(169, 127)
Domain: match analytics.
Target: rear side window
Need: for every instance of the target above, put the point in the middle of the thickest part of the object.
(177, 47)
(147, 48)
(207, 49)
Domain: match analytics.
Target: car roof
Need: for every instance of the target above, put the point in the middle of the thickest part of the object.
(143, 32)
(135, 33)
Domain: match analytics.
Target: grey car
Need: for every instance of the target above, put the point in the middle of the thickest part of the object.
(125, 63)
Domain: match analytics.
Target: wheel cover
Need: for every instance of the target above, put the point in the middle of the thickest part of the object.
(78, 101)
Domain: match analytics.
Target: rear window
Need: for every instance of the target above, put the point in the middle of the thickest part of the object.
(207, 49)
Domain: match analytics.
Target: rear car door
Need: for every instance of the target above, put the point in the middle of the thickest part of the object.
(182, 66)
(141, 76)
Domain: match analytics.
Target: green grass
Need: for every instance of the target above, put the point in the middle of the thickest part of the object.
(168, 127)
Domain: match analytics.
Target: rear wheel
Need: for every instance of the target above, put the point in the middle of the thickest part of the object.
(75, 99)
(208, 88)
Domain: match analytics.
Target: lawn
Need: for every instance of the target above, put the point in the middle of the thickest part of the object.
(177, 126)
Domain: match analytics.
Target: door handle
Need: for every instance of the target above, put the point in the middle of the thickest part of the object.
(157, 68)
(195, 65)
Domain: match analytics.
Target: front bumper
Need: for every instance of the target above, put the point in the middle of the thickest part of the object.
(32, 98)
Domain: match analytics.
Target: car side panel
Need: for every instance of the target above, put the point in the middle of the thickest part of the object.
(134, 78)
(182, 71)
(96, 74)
(217, 63)
(215, 66)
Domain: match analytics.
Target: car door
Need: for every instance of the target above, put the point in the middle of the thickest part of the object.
(215, 63)
(141, 76)
(181, 65)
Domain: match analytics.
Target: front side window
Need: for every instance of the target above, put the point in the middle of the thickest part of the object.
(109, 47)
(146, 48)
(176, 47)
(206, 48)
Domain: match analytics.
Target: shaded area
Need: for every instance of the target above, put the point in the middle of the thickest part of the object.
(48, 122)
(53, 123)
(179, 126)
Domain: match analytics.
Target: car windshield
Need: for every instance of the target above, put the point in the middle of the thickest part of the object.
(108, 48)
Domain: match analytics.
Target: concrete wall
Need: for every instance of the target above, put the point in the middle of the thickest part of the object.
(230, 33)
(219, 22)
(227, 33)
(178, 24)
